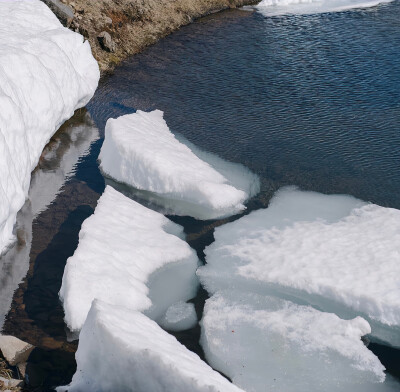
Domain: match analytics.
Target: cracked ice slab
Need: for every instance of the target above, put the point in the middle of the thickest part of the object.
(335, 252)
(127, 255)
(137, 355)
(140, 150)
(265, 343)
(46, 72)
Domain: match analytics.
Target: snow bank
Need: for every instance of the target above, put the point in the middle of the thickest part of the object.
(120, 248)
(46, 73)
(334, 252)
(269, 344)
(140, 150)
(283, 7)
(122, 350)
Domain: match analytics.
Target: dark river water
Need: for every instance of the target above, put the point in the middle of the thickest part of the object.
(312, 101)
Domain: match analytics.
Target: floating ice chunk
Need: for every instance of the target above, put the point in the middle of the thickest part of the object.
(139, 150)
(47, 72)
(120, 247)
(334, 252)
(283, 7)
(123, 350)
(269, 344)
(179, 317)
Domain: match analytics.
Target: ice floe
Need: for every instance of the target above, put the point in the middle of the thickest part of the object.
(127, 255)
(123, 350)
(268, 344)
(283, 7)
(179, 317)
(140, 150)
(334, 252)
(47, 71)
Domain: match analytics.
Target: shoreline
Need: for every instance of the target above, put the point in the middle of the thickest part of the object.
(118, 31)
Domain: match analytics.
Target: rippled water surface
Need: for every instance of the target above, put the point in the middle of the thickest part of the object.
(306, 100)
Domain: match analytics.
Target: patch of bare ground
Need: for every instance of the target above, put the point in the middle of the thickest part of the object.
(134, 24)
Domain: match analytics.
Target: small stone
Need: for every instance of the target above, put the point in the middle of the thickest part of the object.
(14, 350)
(106, 42)
(22, 369)
(84, 32)
(108, 20)
(10, 383)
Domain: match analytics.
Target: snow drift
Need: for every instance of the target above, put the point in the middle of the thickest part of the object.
(283, 7)
(265, 343)
(127, 255)
(46, 73)
(140, 150)
(135, 354)
(335, 252)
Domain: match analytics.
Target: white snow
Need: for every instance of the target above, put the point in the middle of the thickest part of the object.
(268, 344)
(140, 150)
(47, 72)
(127, 255)
(123, 350)
(283, 7)
(334, 252)
(179, 317)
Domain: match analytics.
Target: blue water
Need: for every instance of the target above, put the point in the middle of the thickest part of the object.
(306, 100)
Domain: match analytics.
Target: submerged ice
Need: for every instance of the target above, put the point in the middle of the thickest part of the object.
(268, 344)
(334, 252)
(140, 150)
(282, 7)
(127, 255)
(47, 72)
(135, 354)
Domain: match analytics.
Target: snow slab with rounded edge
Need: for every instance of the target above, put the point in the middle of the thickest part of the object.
(123, 350)
(47, 72)
(120, 247)
(268, 344)
(308, 7)
(334, 252)
(140, 151)
(179, 317)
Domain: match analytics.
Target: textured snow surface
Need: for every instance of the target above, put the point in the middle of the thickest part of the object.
(123, 350)
(120, 246)
(265, 343)
(179, 317)
(282, 7)
(334, 251)
(140, 150)
(47, 72)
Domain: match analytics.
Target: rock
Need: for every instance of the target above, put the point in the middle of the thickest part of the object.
(64, 13)
(14, 350)
(108, 21)
(6, 383)
(106, 42)
(22, 369)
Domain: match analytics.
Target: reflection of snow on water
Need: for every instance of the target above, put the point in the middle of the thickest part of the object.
(58, 162)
